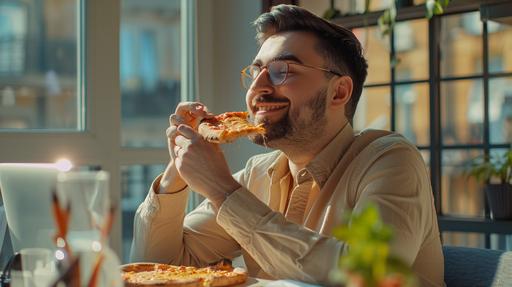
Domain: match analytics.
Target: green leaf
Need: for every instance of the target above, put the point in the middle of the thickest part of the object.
(386, 21)
(438, 8)
(435, 7)
(430, 8)
(368, 240)
(331, 14)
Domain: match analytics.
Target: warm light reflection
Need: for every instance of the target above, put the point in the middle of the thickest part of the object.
(96, 246)
(59, 255)
(63, 164)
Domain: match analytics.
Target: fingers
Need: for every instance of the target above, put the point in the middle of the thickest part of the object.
(188, 115)
(180, 138)
(191, 107)
(171, 133)
(176, 120)
(189, 110)
(189, 133)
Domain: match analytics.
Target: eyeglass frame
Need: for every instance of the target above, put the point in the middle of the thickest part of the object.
(244, 73)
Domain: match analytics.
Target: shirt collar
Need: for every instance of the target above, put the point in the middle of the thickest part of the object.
(280, 166)
(322, 165)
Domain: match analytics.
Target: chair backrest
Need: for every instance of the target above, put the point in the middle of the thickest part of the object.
(476, 267)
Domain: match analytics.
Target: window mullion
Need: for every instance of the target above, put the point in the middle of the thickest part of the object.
(435, 109)
(392, 88)
(103, 100)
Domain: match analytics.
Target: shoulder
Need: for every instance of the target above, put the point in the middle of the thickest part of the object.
(391, 143)
(391, 150)
(256, 169)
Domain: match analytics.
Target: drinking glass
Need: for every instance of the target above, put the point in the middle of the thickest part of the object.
(37, 268)
(86, 195)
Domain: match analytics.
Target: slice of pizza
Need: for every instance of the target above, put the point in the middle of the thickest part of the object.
(164, 275)
(228, 127)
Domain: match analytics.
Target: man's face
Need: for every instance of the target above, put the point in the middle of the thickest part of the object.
(294, 111)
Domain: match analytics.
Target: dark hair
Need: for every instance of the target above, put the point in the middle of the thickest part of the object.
(339, 46)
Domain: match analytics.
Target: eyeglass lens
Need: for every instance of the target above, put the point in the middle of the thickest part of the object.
(277, 71)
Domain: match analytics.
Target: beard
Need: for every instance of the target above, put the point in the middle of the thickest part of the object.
(299, 126)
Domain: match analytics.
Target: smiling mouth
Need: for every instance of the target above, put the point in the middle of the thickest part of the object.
(270, 107)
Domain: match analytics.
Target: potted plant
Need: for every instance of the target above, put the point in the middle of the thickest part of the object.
(368, 262)
(496, 173)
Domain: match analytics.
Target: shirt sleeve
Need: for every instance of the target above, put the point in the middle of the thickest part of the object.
(163, 233)
(283, 249)
(398, 183)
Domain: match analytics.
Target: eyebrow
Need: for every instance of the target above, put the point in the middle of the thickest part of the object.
(282, 57)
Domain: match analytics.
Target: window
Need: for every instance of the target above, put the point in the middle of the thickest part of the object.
(453, 103)
(96, 88)
(40, 66)
(150, 70)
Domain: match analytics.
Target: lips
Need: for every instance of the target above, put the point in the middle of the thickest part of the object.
(268, 103)
(269, 107)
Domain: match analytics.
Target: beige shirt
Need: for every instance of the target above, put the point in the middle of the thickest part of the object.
(293, 241)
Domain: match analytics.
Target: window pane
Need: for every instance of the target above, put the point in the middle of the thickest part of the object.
(377, 5)
(38, 64)
(462, 112)
(373, 109)
(461, 45)
(150, 70)
(467, 239)
(135, 183)
(461, 195)
(500, 110)
(412, 113)
(411, 46)
(317, 7)
(376, 51)
(500, 45)
(501, 242)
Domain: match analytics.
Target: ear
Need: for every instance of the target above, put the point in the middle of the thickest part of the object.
(341, 90)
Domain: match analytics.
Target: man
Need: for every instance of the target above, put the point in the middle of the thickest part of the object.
(280, 210)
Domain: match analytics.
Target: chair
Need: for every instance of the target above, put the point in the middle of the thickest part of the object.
(476, 267)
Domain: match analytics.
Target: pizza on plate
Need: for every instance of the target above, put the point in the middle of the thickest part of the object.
(164, 275)
(228, 127)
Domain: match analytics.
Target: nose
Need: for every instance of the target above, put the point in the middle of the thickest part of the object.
(262, 84)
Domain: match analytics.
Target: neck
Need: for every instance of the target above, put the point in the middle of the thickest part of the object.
(300, 155)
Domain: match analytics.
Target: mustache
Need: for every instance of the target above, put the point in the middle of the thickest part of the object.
(267, 99)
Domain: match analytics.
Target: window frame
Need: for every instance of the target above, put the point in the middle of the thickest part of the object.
(436, 147)
(98, 88)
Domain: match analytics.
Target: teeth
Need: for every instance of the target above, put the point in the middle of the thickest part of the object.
(269, 108)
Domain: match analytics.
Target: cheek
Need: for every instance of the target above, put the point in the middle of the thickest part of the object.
(248, 104)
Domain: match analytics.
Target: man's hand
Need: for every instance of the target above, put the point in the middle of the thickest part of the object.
(187, 113)
(202, 165)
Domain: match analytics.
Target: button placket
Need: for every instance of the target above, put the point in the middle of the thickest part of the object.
(298, 202)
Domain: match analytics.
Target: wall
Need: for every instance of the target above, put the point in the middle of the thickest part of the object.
(226, 44)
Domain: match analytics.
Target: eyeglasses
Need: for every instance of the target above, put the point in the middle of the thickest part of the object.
(277, 71)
